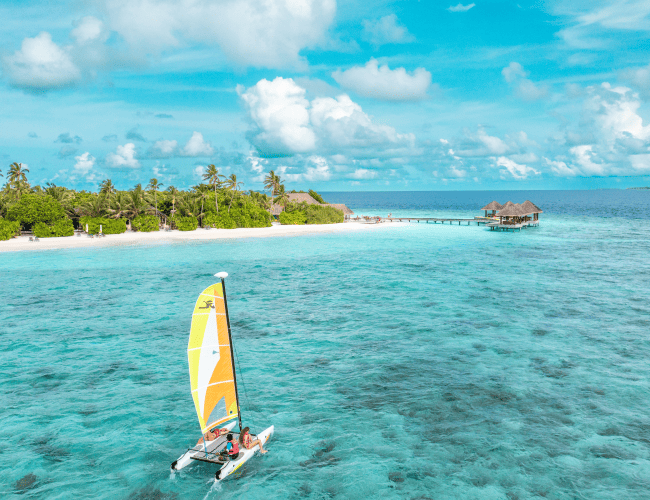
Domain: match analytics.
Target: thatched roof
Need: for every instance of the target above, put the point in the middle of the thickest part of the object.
(512, 210)
(277, 209)
(302, 197)
(508, 204)
(495, 205)
(341, 207)
(531, 207)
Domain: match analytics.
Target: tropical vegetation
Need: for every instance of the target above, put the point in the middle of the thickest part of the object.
(220, 202)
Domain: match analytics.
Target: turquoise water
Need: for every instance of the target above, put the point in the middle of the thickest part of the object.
(417, 362)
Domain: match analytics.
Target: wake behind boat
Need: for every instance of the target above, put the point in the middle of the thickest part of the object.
(214, 385)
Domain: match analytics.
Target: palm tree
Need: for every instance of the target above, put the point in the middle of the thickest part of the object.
(174, 192)
(201, 191)
(231, 183)
(16, 178)
(269, 183)
(95, 207)
(119, 205)
(282, 197)
(213, 177)
(107, 187)
(154, 185)
(136, 204)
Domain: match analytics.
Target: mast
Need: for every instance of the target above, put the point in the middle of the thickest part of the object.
(223, 276)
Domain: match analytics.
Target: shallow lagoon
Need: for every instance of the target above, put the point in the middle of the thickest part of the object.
(424, 361)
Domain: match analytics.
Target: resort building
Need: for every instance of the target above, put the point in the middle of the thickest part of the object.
(513, 215)
(309, 200)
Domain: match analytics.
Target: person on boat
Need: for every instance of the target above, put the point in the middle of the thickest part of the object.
(232, 448)
(246, 440)
(213, 434)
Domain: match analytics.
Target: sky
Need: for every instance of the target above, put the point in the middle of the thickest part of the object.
(365, 95)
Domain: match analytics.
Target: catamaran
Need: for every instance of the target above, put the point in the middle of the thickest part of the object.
(214, 382)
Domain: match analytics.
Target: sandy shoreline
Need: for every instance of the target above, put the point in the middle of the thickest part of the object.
(22, 243)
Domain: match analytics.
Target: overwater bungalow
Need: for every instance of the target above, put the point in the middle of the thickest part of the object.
(493, 206)
(515, 215)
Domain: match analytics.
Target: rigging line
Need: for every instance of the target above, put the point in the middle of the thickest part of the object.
(248, 402)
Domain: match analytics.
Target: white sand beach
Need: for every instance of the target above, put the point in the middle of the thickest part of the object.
(22, 243)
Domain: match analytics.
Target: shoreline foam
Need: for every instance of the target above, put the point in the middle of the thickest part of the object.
(22, 243)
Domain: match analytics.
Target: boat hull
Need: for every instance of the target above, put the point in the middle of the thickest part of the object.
(244, 455)
(211, 446)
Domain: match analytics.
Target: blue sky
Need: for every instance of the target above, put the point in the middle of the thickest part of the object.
(361, 95)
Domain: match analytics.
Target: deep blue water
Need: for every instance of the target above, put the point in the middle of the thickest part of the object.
(422, 361)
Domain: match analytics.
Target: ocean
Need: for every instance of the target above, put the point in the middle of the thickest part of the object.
(419, 362)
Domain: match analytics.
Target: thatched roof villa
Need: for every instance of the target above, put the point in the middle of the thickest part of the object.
(493, 206)
(513, 215)
(307, 198)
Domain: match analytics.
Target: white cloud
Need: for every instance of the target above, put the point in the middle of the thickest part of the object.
(123, 157)
(196, 146)
(616, 112)
(561, 169)
(88, 29)
(513, 71)
(199, 171)
(317, 169)
(584, 156)
(279, 110)
(458, 173)
(384, 31)
(263, 33)
(460, 7)
(85, 163)
(525, 88)
(41, 64)
(285, 122)
(363, 173)
(515, 170)
(383, 83)
(163, 149)
(494, 144)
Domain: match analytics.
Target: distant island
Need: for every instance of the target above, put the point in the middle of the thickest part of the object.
(643, 187)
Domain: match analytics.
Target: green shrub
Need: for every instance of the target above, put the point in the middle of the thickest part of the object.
(62, 227)
(220, 221)
(295, 217)
(109, 226)
(189, 223)
(145, 223)
(317, 214)
(33, 208)
(316, 196)
(8, 228)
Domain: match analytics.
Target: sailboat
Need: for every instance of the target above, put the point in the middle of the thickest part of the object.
(214, 382)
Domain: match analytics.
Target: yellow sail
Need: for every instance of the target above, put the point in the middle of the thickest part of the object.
(211, 365)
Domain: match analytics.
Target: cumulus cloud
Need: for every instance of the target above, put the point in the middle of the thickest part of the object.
(587, 160)
(124, 156)
(196, 146)
(363, 173)
(561, 169)
(460, 7)
(163, 149)
(41, 64)
(384, 31)
(616, 112)
(285, 122)
(87, 30)
(383, 83)
(514, 170)
(84, 164)
(525, 88)
(263, 33)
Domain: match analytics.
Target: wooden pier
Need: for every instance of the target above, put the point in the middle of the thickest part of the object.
(435, 220)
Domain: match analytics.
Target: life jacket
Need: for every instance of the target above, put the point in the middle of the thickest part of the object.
(234, 447)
